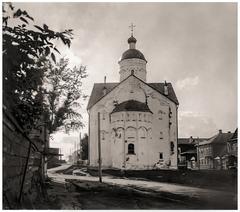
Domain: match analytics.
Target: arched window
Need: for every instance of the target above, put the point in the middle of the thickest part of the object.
(131, 149)
(131, 133)
(142, 133)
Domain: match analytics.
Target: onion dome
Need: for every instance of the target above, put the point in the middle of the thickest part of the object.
(132, 40)
(132, 52)
(131, 105)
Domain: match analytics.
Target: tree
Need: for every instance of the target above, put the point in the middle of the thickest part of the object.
(26, 47)
(62, 94)
(84, 144)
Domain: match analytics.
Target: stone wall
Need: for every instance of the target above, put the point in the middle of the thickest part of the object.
(17, 151)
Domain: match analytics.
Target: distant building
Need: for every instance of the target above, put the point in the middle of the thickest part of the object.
(212, 152)
(232, 150)
(187, 152)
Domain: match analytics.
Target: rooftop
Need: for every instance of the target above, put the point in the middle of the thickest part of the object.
(131, 105)
(97, 91)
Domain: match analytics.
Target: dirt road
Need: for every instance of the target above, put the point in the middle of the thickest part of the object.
(139, 194)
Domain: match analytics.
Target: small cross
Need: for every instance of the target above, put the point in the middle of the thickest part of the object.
(131, 26)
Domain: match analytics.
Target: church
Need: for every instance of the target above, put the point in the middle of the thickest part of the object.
(138, 120)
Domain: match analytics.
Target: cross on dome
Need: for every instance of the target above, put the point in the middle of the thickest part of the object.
(132, 26)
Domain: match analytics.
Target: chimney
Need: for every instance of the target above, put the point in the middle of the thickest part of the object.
(104, 88)
(165, 88)
(190, 139)
(220, 131)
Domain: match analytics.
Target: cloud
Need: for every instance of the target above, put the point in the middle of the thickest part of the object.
(196, 124)
(189, 81)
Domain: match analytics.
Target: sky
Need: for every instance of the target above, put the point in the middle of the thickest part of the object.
(191, 45)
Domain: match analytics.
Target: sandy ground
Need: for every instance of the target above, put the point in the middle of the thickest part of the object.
(134, 194)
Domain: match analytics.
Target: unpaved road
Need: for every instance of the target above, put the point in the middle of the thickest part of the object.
(139, 194)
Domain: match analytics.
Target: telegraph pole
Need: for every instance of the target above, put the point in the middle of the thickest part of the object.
(80, 147)
(99, 151)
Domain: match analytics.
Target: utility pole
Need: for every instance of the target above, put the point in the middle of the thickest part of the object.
(80, 147)
(99, 151)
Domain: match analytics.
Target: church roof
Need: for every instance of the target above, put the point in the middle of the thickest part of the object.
(97, 91)
(132, 39)
(131, 105)
(132, 53)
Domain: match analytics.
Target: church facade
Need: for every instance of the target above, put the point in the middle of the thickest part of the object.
(138, 120)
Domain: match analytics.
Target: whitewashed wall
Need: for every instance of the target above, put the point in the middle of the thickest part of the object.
(147, 150)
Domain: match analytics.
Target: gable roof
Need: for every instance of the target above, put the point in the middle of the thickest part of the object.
(220, 138)
(235, 135)
(97, 91)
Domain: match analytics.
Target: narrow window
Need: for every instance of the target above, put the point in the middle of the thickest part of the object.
(160, 155)
(130, 148)
(140, 117)
(161, 135)
(172, 147)
(170, 113)
(134, 117)
(103, 136)
(160, 114)
(103, 116)
(128, 119)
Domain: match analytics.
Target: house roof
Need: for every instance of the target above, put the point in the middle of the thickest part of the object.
(220, 138)
(189, 152)
(188, 140)
(97, 91)
(235, 135)
(131, 105)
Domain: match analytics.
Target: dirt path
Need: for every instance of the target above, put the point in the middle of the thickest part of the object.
(159, 195)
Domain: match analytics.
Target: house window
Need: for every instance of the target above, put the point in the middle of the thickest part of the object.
(103, 116)
(160, 155)
(131, 149)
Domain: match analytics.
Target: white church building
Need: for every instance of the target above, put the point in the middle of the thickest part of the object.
(138, 120)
